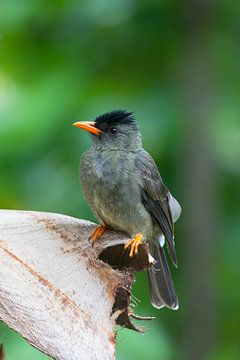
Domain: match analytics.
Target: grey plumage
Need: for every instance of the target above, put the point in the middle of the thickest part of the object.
(161, 286)
(125, 191)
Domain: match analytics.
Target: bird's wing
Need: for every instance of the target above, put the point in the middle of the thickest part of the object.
(157, 199)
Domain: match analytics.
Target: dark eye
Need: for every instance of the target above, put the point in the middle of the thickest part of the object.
(113, 130)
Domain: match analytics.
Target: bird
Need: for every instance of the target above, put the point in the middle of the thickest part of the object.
(125, 191)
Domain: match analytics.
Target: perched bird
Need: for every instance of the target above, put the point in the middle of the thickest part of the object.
(125, 191)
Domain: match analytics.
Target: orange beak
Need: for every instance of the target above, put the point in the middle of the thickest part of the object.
(89, 126)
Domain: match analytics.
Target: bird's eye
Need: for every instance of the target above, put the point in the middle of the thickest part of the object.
(113, 130)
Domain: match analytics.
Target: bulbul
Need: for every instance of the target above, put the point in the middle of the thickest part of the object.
(125, 191)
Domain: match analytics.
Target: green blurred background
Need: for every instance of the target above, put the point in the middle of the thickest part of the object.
(176, 65)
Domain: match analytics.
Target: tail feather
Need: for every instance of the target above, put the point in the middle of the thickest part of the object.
(161, 287)
(153, 290)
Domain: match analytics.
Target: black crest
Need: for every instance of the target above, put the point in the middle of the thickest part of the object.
(115, 118)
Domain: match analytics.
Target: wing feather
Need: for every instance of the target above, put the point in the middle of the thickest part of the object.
(155, 197)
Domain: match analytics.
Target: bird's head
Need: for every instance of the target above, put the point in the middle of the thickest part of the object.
(114, 130)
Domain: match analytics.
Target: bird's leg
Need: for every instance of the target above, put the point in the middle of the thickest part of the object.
(97, 233)
(134, 244)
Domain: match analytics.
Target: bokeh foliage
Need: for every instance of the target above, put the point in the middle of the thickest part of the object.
(70, 60)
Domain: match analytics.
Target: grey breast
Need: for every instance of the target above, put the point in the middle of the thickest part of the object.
(110, 186)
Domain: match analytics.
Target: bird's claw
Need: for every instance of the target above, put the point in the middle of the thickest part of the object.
(134, 244)
(97, 233)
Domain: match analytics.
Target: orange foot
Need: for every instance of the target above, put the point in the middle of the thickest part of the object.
(134, 244)
(97, 233)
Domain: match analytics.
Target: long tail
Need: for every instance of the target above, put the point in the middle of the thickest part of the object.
(161, 287)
